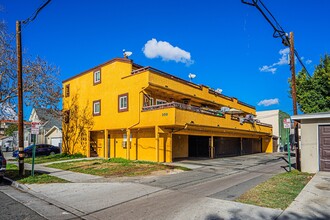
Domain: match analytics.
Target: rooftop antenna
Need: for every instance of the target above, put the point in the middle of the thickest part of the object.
(127, 53)
(191, 76)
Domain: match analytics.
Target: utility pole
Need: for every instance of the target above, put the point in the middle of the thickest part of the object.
(294, 99)
(20, 99)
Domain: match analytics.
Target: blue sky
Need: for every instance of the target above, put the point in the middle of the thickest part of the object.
(225, 43)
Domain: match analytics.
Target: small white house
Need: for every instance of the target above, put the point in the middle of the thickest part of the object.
(54, 136)
(50, 129)
(315, 141)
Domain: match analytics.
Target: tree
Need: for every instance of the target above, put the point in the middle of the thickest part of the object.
(10, 130)
(77, 121)
(313, 93)
(41, 85)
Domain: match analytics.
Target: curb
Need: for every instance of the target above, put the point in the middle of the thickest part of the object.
(16, 184)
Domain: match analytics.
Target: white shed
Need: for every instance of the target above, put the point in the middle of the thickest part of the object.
(315, 141)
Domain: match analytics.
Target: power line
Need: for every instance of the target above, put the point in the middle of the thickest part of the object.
(278, 30)
(35, 14)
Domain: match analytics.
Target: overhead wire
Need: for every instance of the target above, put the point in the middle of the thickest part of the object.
(35, 14)
(278, 30)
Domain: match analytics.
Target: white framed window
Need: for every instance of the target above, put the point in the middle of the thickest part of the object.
(97, 76)
(123, 102)
(148, 101)
(159, 102)
(97, 107)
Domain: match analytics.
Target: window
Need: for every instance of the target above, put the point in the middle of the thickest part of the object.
(66, 116)
(159, 102)
(148, 101)
(97, 108)
(97, 76)
(123, 102)
(67, 90)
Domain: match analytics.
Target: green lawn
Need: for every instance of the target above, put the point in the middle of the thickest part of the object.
(52, 158)
(277, 192)
(39, 178)
(114, 167)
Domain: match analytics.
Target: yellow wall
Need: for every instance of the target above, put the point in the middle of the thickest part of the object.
(180, 146)
(146, 126)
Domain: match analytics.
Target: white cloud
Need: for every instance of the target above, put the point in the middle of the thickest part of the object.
(282, 61)
(268, 102)
(308, 62)
(153, 49)
(268, 69)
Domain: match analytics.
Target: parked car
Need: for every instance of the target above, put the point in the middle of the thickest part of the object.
(8, 146)
(3, 164)
(41, 150)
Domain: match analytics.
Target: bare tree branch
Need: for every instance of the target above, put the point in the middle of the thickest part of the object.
(77, 121)
(41, 84)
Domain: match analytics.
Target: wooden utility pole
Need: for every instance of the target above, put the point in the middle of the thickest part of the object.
(20, 99)
(294, 99)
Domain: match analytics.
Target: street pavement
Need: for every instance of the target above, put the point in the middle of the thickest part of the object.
(206, 192)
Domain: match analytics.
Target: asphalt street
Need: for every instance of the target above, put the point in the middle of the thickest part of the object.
(203, 193)
(11, 209)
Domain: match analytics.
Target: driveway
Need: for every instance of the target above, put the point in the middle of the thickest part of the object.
(203, 193)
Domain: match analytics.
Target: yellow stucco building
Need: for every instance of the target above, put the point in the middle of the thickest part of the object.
(141, 113)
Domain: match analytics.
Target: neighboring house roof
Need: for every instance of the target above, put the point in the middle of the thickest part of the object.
(48, 117)
(311, 116)
(50, 131)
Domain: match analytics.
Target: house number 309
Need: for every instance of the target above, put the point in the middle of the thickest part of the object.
(164, 114)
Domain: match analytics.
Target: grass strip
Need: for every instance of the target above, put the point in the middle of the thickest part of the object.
(38, 178)
(52, 158)
(117, 167)
(278, 192)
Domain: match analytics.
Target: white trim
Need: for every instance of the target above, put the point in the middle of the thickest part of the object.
(51, 130)
(94, 109)
(311, 116)
(121, 101)
(97, 72)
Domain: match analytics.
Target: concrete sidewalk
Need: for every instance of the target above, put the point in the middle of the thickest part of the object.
(313, 202)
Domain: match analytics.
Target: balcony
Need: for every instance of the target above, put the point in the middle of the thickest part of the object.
(182, 106)
(174, 113)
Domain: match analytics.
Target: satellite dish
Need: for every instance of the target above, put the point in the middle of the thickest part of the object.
(127, 53)
(218, 90)
(191, 76)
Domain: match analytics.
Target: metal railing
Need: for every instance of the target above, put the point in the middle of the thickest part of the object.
(182, 106)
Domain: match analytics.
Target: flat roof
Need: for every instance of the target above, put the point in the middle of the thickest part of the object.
(311, 116)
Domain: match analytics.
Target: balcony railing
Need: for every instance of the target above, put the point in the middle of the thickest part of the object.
(182, 106)
(203, 110)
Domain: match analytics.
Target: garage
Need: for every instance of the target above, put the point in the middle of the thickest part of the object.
(226, 146)
(198, 146)
(324, 142)
(314, 141)
(251, 146)
(56, 141)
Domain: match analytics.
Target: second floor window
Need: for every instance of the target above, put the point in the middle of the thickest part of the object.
(67, 90)
(97, 76)
(123, 102)
(97, 107)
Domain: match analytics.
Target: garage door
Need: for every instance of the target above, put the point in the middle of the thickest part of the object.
(198, 146)
(324, 142)
(56, 141)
